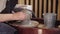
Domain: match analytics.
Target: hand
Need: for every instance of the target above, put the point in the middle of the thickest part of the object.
(19, 16)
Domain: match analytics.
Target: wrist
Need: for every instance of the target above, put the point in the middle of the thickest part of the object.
(14, 17)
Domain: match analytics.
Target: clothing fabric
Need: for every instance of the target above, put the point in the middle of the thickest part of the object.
(6, 6)
(6, 29)
(2, 4)
(10, 4)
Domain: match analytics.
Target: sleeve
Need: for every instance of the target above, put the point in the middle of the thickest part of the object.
(10, 6)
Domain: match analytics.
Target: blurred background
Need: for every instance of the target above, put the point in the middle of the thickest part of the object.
(43, 6)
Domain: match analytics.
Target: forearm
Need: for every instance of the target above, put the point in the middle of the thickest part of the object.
(15, 16)
(6, 17)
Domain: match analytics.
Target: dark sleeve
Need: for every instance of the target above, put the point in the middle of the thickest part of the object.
(9, 6)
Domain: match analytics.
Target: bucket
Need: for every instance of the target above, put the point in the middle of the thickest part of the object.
(49, 20)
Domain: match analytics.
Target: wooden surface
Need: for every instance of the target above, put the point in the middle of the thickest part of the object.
(51, 31)
(29, 30)
(23, 30)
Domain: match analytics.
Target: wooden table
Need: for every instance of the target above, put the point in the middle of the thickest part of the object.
(37, 31)
(25, 30)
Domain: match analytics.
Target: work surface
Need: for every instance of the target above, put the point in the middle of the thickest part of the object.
(29, 30)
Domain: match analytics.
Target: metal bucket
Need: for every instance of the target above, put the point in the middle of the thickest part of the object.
(49, 20)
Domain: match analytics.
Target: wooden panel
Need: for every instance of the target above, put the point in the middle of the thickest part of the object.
(58, 10)
(36, 8)
(20, 1)
(44, 6)
(49, 6)
(32, 4)
(27, 2)
(54, 6)
(40, 9)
